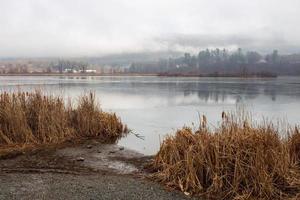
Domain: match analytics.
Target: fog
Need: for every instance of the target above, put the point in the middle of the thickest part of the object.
(31, 28)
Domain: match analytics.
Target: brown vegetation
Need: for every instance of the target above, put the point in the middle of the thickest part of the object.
(32, 119)
(294, 146)
(236, 161)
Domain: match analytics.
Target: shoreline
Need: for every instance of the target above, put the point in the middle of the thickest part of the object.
(90, 155)
(136, 75)
(105, 172)
(74, 75)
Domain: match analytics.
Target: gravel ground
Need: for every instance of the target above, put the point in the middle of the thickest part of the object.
(87, 171)
(93, 186)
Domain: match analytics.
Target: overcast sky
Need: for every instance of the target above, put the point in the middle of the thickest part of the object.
(95, 27)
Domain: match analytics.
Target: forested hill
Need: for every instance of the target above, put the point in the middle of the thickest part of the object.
(219, 62)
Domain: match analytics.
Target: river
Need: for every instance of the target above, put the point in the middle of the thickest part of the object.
(155, 106)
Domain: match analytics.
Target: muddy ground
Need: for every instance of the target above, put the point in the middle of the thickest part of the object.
(89, 170)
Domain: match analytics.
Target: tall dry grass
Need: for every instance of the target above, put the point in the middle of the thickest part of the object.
(90, 121)
(236, 161)
(294, 146)
(30, 119)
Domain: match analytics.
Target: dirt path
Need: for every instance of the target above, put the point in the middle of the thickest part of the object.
(86, 171)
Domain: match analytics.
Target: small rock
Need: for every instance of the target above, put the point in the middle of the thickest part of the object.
(99, 151)
(95, 142)
(187, 193)
(112, 151)
(80, 159)
(89, 146)
(121, 148)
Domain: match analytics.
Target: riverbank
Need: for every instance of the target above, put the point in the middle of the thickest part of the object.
(256, 75)
(49, 186)
(89, 170)
(225, 75)
(236, 159)
(33, 119)
(77, 74)
(239, 159)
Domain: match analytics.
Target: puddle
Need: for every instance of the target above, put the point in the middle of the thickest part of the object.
(111, 158)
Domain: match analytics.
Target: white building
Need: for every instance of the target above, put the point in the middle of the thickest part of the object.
(90, 71)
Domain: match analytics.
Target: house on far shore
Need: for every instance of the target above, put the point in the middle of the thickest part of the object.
(74, 71)
(262, 61)
(70, 71)
(90, 71)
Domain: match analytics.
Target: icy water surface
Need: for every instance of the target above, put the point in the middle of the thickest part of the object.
(155, 106)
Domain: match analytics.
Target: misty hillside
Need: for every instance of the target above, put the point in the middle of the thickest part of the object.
(128, 58)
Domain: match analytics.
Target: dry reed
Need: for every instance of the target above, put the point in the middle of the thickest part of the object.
(31, 119)
(294, 146)
(236, 161)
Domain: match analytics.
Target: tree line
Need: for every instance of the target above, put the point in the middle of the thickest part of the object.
(222, 62)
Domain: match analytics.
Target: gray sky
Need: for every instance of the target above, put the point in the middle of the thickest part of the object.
(96, 27)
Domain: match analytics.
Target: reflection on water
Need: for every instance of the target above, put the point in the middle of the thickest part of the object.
(154, 106)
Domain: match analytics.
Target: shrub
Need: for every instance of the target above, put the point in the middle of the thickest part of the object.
(236, 161)
(31, 119)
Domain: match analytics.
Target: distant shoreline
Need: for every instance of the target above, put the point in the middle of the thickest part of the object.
(146, 75)
(79, 74)
(223, 75)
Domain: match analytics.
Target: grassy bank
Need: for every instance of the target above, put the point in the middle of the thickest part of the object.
(34, 119)
(238, 160)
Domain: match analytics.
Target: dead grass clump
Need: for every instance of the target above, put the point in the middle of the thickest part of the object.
(294, 146)
(89, 121)
(237, 161)
(30, 119)
(46, 116)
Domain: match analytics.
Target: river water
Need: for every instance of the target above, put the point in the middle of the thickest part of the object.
(155, 106)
